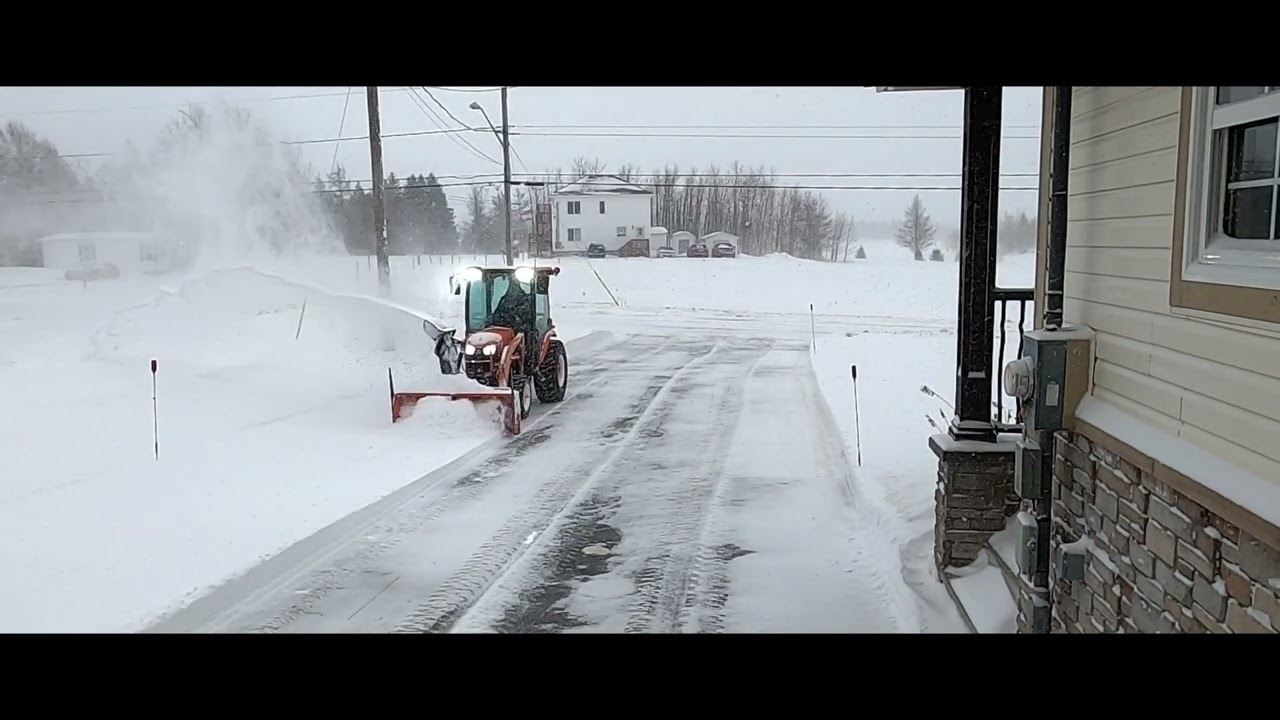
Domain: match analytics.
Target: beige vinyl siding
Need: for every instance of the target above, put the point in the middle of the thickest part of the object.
(1217, 385)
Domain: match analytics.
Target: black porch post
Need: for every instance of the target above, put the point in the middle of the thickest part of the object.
(979, 205)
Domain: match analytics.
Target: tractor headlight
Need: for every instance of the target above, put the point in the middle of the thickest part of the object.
(469, 349)
(472, 274)
(490, 349)
(524, 273)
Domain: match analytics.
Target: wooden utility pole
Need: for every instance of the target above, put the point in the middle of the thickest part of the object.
(379, 207)
(506, 173)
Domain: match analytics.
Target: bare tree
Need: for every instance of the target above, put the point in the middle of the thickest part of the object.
(587, 166)
(917, 230)
(477, 231)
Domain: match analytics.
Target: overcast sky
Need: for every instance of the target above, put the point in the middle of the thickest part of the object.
(647, 126)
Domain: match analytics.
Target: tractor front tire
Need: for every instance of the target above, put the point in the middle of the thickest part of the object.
(552, 378)
(523, 399)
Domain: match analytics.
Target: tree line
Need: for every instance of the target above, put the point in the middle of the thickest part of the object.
(42, 193)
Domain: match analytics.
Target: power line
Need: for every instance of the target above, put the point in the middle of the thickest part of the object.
(496, 179)
(341, 125)
(496, 183)
(352, 138)
(642, 179)
(459, 131)
(465, 90)
(917, 188)
(758, 127)
(740, 136)
(510, 145)
(446, 110)
(465, 125)
(161, 106)
(440, 123)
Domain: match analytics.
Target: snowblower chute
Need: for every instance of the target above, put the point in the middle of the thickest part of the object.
(509, 343)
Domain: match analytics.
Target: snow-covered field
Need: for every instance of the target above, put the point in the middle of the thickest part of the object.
(268, 433)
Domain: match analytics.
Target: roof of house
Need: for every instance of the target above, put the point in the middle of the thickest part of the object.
(99, 236)
(719, 234)
(601, 185)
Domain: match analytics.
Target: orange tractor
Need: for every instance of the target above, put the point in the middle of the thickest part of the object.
(510, 343)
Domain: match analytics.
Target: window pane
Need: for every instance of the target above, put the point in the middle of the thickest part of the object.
(1236, 94)
(1248, 213)
(1251, 151)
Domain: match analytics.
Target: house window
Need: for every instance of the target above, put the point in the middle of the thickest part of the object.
(622, 231)
(575, 207)
(1230, 252)
(601, 207)
(88, 252)
(575, 235)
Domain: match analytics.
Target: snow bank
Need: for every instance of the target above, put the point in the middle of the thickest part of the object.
(898, 474)
(265, 435)
(887, 284)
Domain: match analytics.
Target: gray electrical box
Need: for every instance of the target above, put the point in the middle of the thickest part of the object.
(1072, 561)
(1026, 468)
(1028, 543)
(1041, 616)
(1058, 362)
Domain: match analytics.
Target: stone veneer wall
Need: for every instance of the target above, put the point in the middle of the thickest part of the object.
(1165, 554)
(973, 499)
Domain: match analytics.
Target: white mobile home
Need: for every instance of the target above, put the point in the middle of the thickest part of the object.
(130, 252)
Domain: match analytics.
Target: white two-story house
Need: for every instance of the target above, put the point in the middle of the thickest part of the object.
(602, 209)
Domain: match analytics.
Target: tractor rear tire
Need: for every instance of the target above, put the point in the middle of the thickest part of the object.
(552, 377)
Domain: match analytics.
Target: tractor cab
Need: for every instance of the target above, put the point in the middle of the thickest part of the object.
(503, 297)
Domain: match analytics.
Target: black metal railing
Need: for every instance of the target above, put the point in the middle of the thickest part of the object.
(1006, 411)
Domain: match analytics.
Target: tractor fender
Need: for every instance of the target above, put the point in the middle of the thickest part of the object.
(507, 359)
(547, 339)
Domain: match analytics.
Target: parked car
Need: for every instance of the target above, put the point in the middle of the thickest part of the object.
(595, 250)
(666, 251)
(698, 250)
(634, 248)
(724, 250)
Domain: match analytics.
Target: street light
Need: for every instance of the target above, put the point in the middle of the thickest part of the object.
(505, 141)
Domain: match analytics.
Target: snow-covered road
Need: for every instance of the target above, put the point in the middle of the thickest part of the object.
(692, 481)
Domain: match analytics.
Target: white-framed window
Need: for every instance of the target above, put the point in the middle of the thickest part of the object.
(622, 231)
(88, 252)
(1232, 226)
(601, 207)
(574, 207)
(575, 235)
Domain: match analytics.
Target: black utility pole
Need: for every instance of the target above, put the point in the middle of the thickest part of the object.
(979, 205)
(379, 208)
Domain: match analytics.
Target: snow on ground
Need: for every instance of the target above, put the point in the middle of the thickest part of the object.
(265, 438)
(888, 283)
(898, 474)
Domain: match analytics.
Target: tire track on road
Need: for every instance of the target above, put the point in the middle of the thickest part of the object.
(663, 587)
(327, 570)
(527, 599)
(486, 568)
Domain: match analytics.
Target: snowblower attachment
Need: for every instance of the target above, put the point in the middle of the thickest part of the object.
(403, 403)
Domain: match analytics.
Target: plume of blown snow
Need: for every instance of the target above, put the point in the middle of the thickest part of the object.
(223, 191)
